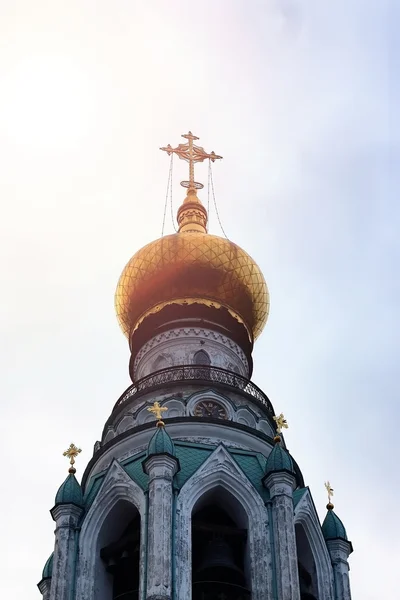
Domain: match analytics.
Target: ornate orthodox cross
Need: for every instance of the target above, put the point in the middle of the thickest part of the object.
(192, 154)
(157, 411)
(280, 423)
(72, 453)
(329, 490)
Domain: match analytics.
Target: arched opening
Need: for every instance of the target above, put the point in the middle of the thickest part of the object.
(201, 358)
(119, 549)
(220, 561)
(306, 566)
(162, 361)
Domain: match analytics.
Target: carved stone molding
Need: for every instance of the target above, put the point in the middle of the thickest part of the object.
(306, 516)
(183, 332)
(92, 581)
(221, 471)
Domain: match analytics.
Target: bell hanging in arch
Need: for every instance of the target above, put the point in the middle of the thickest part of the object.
(218, 563)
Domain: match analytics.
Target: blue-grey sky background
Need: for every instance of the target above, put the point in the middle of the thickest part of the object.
(301, 99)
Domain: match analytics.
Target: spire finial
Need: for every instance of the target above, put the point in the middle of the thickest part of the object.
(192, 154)
(329, 490)
(194, 217)
(157, 411)
(281, 423)
(72, 453)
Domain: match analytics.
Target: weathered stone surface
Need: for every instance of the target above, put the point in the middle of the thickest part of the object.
(339, 551)
(220, 472)
(306, 516)
(271, 549)
(178, 347)
(117, 495)
(281, 485)
(161, 469)
(66, 517)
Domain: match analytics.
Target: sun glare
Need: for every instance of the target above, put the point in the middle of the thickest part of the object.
(48, 103)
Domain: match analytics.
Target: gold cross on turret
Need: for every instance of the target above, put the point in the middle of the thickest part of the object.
(280, 423)
(72, 453)
(192, 154)
(329, 490)
(157, 411)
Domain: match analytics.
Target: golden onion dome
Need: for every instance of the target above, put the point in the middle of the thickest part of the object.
(192, 267)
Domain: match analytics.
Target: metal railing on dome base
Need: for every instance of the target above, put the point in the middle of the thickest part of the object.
(194, 373)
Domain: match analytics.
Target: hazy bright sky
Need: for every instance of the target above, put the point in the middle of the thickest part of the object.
(300, 99)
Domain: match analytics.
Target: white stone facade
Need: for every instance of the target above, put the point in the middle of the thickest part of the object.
(240, 408)
(279, 534)
(179, 347)
(305, 516)
(221, 472)
(339, 551)
(104, 520)
(281, 487)
(161, 470)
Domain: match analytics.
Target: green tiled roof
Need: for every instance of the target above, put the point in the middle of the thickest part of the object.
(161, 443)
(253, 466)
(93, 488)
(133, 466)
(298, 494)
(48, 567)
(191, 456)
(333, 528)
(70, 492)
(279, 460)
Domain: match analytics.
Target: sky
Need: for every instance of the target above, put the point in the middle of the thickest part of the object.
(299, 98)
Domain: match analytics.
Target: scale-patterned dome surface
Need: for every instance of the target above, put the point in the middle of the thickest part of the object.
(161, 443)
(70, 492)
(332, 527)
(187, 268)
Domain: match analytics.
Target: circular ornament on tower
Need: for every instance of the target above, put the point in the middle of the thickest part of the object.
(209, 408)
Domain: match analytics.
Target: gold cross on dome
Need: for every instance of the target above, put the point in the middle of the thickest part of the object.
(280, 423)
(329, 490)
(157, 411)
(72, 453)
(192, 154)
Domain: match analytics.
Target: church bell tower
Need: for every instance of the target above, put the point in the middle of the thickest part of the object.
(191, 493)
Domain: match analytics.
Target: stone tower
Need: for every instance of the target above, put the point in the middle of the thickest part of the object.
(205, 503)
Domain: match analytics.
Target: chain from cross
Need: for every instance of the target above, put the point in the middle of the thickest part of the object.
(72, 453)
(280, 423)
(192, 154)
(329, 490)
(157, 410)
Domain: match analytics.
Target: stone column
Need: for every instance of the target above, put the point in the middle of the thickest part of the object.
(281, 485)
(66, 517)
(161, 469)
(339, 551)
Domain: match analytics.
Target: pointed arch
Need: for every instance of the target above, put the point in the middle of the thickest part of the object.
(118, 500)
(306, 518)
(220, 471)
(163, 361)
(202, 358)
